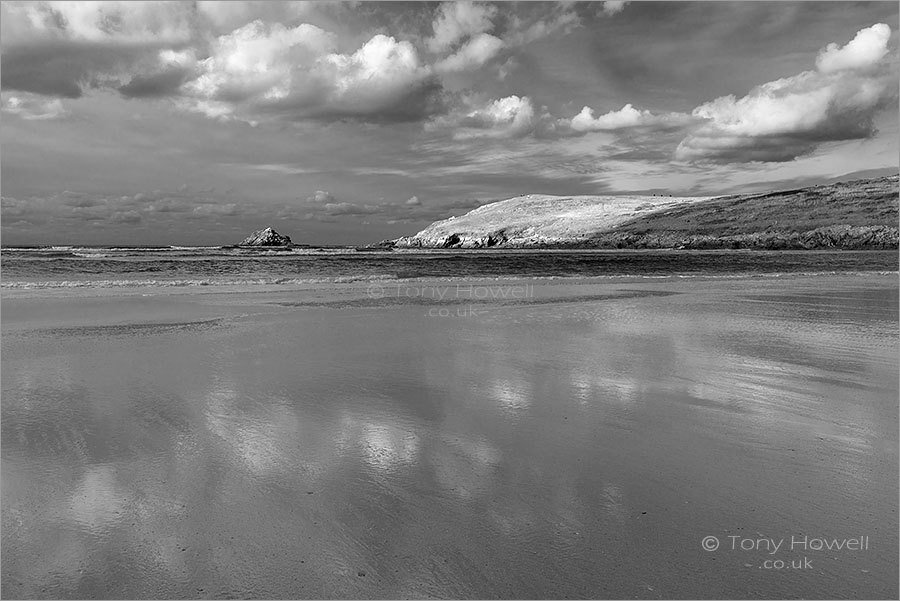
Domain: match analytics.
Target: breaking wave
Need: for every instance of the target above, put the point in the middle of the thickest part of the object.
(177, 283)
(111, 267)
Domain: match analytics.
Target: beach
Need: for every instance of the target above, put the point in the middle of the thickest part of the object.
(468, 438)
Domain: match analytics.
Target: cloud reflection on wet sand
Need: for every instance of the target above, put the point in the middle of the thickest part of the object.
(551, 450)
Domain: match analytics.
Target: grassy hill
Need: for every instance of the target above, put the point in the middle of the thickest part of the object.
(539, 220)
(850, 215)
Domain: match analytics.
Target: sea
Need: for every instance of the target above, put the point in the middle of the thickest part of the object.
(186, 266)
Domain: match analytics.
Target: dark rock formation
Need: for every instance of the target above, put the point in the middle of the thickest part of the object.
(266, 237)
(383, 245)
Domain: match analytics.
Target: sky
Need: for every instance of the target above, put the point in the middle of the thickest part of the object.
(347, 123)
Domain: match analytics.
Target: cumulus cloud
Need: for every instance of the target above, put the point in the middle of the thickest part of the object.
(320, 196)
(613, 7)
(272, 69)
(862, 52)
(259, 60)
(783, 119)
(456, 21)
(224, 16)
(260, 68)
(517, 117)
(626, 117)
(383, 76)
(508, 117)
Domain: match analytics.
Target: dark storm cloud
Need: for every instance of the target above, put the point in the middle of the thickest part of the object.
(46, 72)
(62, 49)
(163, 83)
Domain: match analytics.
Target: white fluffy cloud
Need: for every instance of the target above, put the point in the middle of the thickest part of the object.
(514, 114)
(783, 119)
(320, 196)
(154, 23)
(516, 117)
(224, 16)
(262, 67)
(612, 7)
(380, 73)
(274, 69)
(862, 52)
(625, 117)
(456, 21)
(508, 117)
(258, 61)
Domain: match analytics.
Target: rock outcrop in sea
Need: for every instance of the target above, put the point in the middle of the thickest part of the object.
(854, 215)
(266, 237)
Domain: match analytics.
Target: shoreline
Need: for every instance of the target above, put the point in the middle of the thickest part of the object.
(172, 303)
(84, 288)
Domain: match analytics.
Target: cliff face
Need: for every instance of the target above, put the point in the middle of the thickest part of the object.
(266, 237)
(861, 214)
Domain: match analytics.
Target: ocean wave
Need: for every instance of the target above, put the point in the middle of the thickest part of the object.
(92, 255)
(118, 249)
(349, 279)
(133, 283)
(173, 252)
(197, 248)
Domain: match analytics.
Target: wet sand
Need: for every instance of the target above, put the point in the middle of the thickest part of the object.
(572, 439)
